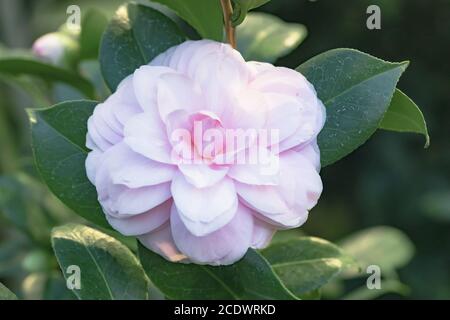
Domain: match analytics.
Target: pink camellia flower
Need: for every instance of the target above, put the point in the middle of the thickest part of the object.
(56, 48)
(203, 155)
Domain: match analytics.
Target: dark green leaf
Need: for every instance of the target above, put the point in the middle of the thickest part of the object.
(250, 278)
(242, 7)
(205, 16)
(135, 36)
(108, 268)
(386, 247)
(404, 115)
(6, 294)
(29, 66)
(264, 37)
(306, 264)
(58, 142)
(92, 27)
(356, 89)
(436, 205)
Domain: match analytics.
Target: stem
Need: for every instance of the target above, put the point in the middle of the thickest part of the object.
(227, 9)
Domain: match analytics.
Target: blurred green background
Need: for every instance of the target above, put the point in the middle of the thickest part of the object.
(390, 181)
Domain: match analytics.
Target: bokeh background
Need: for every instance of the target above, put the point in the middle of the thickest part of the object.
(391, 181)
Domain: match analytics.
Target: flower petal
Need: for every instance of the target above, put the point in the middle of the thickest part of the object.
(287, 204)
(202, 175)
(146, 134)
(263, 233)
(204, 210)
(133, 170)
(177, 92)
(142, 223)
(145, 82)
(222, 247)
(161, 242)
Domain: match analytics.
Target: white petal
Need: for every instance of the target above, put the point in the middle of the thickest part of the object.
(161, 242)
(92, 162)
(133, 170)
(146, 134)
(286, 204)
(177, 92)
(145, 82)
(204, 210)
(202, 175)
(257, 166)
(126, 201)
(262, 233)
(222, 247)
(142, 223)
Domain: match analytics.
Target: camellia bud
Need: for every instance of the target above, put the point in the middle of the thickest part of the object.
(56, 48)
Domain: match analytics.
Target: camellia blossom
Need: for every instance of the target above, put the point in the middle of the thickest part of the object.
(56, 48)
(166, 171)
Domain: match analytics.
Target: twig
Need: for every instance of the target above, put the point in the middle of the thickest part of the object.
(229, 29)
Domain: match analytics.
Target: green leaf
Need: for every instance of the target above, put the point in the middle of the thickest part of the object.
(436, 205)
(387, 286)
(6, 294)
(306, 264)
(356, 89)
(205, 16)
(242, 7)
(92, 27)
(386, 247)
(250, 278)
(21, 203)
(264, 37)
(48, 72)
(135, 36)
(404, 115)
(108, 269)
(58, 141)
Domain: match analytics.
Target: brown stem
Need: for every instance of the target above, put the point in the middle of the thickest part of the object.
(229, 29)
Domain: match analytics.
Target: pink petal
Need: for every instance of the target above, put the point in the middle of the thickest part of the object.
(133, 170)
(262, 234)
(142, 223)
(202, 175)
(145, 82)
(161, 242)
(204, 210)
(222, 247)
(146, 134)
(286, 204)
(177, 92)
(258, 166)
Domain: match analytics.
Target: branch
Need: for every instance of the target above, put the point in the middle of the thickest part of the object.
(227, 9)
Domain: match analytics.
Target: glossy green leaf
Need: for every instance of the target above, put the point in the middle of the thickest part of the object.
(386, 247)
(249, 278)
(356, 89)
(205, 16)
(387, 286)
(242, 7)
(92, 27)
(264, 37)
(6, 294)
(58, 141)
(306, 264)
(135, 36)
(48, 72)
(108, 269)
(404, 115)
